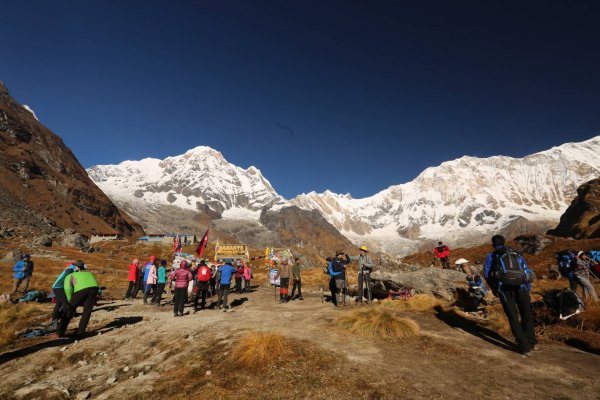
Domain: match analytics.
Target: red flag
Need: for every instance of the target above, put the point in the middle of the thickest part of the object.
(202, 244)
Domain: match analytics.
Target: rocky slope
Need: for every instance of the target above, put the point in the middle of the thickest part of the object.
(582, 218)
(464, 200)
(43, 188)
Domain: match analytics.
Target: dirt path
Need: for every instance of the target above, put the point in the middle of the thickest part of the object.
(130, 342)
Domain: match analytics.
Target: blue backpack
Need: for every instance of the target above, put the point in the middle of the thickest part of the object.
(566, 261)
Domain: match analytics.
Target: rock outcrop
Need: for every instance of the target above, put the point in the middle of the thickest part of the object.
(441, 283)
(582, 219)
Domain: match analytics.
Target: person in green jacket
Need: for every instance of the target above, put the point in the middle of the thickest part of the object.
(161, 281)
(297, 279)
(81, 289)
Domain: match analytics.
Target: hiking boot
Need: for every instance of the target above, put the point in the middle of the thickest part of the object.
(280, 301)
(300, 298)
(536, 348)
(527, 354)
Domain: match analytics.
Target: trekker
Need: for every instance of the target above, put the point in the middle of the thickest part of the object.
(182, 277)
(22, 272)
(139, 283)
(132, 277)
(151, 281)
(161, 282)
(463, 264)
(581, 276)
(508, 276)
(284, 272)
(58, 288)
(226, 272)
(365, 266)
(147, 268)
(202, 282)
(213, 280)
(239, 276)
(442, 252)
(247, 277)
(297, 279)
(337, 274)
(81, 289)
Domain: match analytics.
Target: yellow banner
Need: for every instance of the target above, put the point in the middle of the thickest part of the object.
(233, 251)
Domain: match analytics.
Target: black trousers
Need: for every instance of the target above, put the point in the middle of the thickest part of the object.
(139, 285)
(179, 300)
(85, 298)
(130, 289)
(60, 308)
(297, 284)
(515, 302)
(223, 293)
(238, 285)
(149, 288)
(333, 290)
(364, 279)
(160, 288)
(201, 293)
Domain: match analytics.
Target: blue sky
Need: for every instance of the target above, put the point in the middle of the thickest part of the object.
(349, 96)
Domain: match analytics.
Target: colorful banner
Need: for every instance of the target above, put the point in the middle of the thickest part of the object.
(232, 251)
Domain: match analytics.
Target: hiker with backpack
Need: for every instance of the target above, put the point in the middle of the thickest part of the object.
(182, 277)
(132, 277)
(581, 276)
(22, 272)
(442, 252)
(365, 266)
(202, 282)
(337, 276)
(161, 282)
(81, 289)
(509, 277)
(58, 288)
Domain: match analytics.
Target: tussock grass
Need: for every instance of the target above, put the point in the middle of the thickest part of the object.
(419, 302)
(17, 317)
(261, 349)
(378, 322)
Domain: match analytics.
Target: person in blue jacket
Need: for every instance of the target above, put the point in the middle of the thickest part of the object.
(337, 276)
(22, 272)
(515, 298)
(58, 288)
(226, 271)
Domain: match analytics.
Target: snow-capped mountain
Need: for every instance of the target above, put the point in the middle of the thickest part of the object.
(460, 202)
(465, 200)
(195, 180)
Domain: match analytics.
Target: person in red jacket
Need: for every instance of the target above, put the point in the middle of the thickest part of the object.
(132, 277)
(202, 282)
(182, 277)
(442, 252)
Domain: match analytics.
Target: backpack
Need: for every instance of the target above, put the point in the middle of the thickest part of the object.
(566, 261)
(203, 274)
(564, 302)
(510, 268)
(337, 266)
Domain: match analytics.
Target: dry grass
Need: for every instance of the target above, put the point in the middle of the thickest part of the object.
(378, 322)
(16, 318)
(260, 350)
(419, 303)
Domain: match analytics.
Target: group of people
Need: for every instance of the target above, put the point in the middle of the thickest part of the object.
(284, 274)
(186, 279)
(338, 284)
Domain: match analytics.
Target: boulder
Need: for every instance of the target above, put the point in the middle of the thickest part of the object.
(43, 240)
(533, 244)
(12, 256)
(441, 283)
(72, 239)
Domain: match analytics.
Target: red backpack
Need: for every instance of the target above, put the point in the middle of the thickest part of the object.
(203, 274)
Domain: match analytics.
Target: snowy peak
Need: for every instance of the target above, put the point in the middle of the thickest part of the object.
(200, 177)
(463, 199)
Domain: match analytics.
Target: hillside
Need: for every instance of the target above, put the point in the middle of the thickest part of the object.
(43, 187)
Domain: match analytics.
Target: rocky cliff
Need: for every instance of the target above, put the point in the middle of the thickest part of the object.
(582, 219)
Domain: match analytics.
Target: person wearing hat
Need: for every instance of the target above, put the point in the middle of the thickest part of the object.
(297, 279)
(337, 276)
(81, 289)
(365, 266)
(463, 264)
(132, 277)
(182, 277)
(581, 276)
(284, 273)
(22, 272)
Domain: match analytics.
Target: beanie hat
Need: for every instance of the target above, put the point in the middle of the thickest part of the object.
(80, 264)
(26, 255)
(183, 264)
(498, 240)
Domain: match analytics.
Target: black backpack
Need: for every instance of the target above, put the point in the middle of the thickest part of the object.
(564, 302)
(510, 268)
